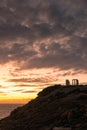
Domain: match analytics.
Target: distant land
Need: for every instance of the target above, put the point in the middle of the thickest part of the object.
(55, 108)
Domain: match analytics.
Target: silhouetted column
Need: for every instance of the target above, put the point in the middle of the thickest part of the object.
(75, 82)
(67, 82)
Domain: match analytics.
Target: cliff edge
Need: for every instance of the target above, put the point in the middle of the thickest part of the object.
(55, 106)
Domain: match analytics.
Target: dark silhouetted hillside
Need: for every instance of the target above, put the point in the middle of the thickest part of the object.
(55, 106)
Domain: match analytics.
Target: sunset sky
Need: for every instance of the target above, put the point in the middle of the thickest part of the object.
(42, 42)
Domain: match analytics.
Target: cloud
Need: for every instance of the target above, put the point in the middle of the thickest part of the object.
(65, 58)
(1, 86)
(29, 91)
(12, 54)
(24, 91)
(25, 81)
(44, 34)
(2, 93)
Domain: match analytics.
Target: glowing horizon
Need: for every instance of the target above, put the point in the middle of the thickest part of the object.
(42, 43)
(23, 85)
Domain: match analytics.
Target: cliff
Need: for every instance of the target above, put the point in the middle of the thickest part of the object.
(55, 106)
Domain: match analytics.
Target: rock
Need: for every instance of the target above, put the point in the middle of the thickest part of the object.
(61, 128)
(64, 107)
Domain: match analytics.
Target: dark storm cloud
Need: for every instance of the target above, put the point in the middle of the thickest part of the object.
(65, 58)
(53, 33)
(11, 32)
(17, 52)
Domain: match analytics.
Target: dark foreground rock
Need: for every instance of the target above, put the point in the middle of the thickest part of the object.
(55, 106)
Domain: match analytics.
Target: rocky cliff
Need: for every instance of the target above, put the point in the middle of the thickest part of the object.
(55, 106)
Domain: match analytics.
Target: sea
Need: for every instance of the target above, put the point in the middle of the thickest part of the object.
(5, 109)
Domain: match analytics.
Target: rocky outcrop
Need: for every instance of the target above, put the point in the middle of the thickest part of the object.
(55, 106)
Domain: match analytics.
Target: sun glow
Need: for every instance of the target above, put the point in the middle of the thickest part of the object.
(20, 86)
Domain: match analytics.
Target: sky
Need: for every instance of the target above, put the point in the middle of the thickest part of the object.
(42, 42)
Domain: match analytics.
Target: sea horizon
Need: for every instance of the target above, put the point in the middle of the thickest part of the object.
(7, 108)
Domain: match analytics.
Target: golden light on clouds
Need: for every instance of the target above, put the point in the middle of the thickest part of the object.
(23, 85)
(20, 86)
(41, 44)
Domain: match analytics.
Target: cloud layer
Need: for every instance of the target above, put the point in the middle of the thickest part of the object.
(42, 42)
(44, 34)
